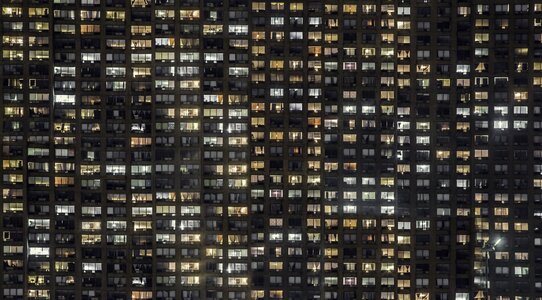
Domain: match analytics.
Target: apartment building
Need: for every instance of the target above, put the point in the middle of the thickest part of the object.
(235, 149)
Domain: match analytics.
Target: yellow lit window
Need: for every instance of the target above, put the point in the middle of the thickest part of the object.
(89, 239)
(463, 11)
(141, 72)
(501, 211)
(237, 210)
(368, 8)
(403, 24)
(349, 138)
(140, 29)
(140, 44)
(521, 51)
(463, 169)
(296, 6)
(403, 69)
(276, 136)
(295, 179)
(64, 181)
(213, 252)
(423, 68)
(257, 136)
(387, 181)
(90, 29)
(463, 239)
(140, 3)
(313, 223)
(190, 238)
(313, 237)
(12, 11)
(313, 165)
(403, 240)
(521, 255)
(388, 253)
(12, 164)
(329, 167)
(295, 79)
(275, 266)
(350, 223)
(481, 37)
(13, 111)
(403, 39)
(331, 252)
(185, 280)
(277, 5)
(189, 266)
(481, 153)
(521, 226)
(258, 35)
(237, 281)
(482, 23)
(12, 40)
(521, 96)
(212, 29)
(349, 8)
(115, 15)
(258, 6)
(12, 55)
(404, 269)
(191, 14)
(258, 50)
(331, 37)
(502, 226)
(187, 43)
(140, 141)
(13, 207)
(403, 283)
(38, 12)
(92, 225)
(404, 82)
(368, 267)
(369, 223)
(315, 36)
(464, 155)
(315, 50)
(164, 14)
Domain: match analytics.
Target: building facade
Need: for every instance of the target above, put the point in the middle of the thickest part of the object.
(236, 149)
